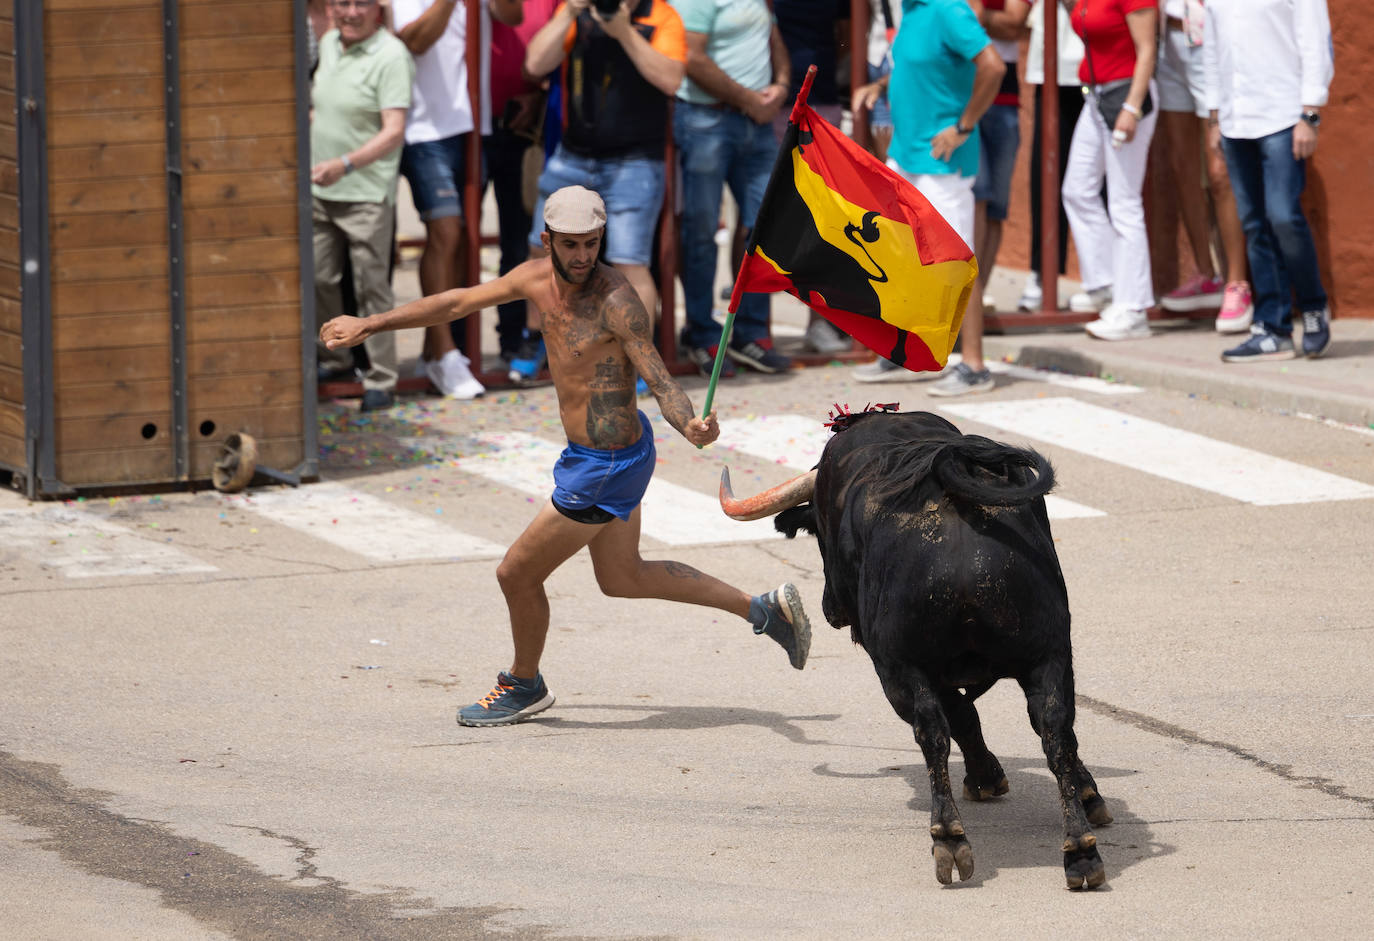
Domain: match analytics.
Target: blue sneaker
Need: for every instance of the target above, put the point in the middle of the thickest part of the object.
(528, 361)
(1316, 332)
(758, 354)
(779, 614)
(1261, 345)
(511, 700)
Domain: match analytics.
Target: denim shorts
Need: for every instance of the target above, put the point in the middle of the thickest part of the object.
(613, 480)
(999, 134)
(882, 111)
(632, 188)
(436, 171)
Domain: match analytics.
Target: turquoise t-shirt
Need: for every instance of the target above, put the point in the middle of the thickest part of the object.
(932, 78)
(737, 41)
(351, 89)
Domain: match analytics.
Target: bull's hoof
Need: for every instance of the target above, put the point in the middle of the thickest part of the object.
(1082, 865)
(976, 791)
(951, 851)
(1095, 807)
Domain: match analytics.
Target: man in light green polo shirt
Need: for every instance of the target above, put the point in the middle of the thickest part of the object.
(359, 99)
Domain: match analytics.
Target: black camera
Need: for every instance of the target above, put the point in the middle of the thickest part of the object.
(607, 8)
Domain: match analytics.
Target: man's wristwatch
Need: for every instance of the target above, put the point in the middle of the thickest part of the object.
(959, 126)
(1313, 119)
(347, 164)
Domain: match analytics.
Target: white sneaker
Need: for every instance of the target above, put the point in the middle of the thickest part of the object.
(1031, 295)
(1091, 302)
(1120, 323)
(451, 376)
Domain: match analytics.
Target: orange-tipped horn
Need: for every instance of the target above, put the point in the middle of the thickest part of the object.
(792, 493)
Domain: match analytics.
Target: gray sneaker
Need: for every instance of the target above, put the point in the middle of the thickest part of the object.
(883, 370)
(821, 337)
(786, 622)
(510, 701)
(962, 379)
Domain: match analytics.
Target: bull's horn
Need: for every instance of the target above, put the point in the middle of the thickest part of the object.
(792, 493)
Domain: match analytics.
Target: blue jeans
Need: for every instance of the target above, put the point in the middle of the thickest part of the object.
(999, 138)
(436, 171)
(718, 148)
(1268, 184)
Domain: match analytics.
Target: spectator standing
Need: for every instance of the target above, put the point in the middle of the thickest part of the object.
(945, 74)
(999, 136)
(434, 160)
(1069, 49)
(517, 115)
(1182, 121)
(358, 101)
(1113, 253)
(738, 74)
(1268, 71)
(619, 74)
(813, 31)
(884, 18)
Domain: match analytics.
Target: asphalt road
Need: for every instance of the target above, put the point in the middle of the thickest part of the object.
(250, 733)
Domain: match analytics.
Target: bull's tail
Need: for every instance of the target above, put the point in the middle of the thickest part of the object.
(981, 471)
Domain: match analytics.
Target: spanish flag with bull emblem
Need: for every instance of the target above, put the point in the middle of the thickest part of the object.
(859, 245)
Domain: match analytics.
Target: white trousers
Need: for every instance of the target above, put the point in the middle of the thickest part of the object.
(1113, 250)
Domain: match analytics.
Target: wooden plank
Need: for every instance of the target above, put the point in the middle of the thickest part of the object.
(277, 421)
(79, 298)
(11, 450)
(111, 195)
(12, 422)
(9, 177)
(12, 384)
(278, 322)
(231, 222)
(222, 256)
(64, 29)
(238, 189)
(9, 246)
(114, 398)
(267, 388)
(106, 229)
(147, 465)
(11, 316)
(114, 60)
(9, 211)
(251, 288)
(131, 430)
(9, 143)
(251, 153)
(107, 127)
(263, 120)
(57, 6)
(7, 34)
(105, 161)
(102, 264)
(284, 454)
(11, 349)
(82, 367)
(231, 52)
(233, 88)
(241, 357)
(7, 68)
(9, 281)
(7, 113)
(111, 332)
(138, 92)
(201, 21)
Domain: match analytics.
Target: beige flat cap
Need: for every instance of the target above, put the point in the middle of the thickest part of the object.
(574, 210)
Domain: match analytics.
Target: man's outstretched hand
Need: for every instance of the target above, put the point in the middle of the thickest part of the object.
(343, 332)
(702, 431)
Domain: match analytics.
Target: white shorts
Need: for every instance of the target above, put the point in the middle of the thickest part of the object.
(950, 193)
(1182, 86)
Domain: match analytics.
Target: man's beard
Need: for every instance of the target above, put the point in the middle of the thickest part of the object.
(564, 273)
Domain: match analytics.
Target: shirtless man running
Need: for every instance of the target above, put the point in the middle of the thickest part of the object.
(598, 337)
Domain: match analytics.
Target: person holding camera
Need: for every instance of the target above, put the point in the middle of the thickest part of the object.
(621, 61)
(1112, 141)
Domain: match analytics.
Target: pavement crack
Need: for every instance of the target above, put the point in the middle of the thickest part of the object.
(1177, 732)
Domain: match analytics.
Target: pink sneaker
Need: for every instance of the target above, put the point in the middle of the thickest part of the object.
(1198, 294)
(1237, 311)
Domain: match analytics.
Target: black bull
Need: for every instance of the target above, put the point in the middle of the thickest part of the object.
(938, 554)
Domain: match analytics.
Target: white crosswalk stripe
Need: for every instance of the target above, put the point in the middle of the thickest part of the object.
(82, 545)
(797, 441)
(1172, 453)
(364, 524)
(671, 513)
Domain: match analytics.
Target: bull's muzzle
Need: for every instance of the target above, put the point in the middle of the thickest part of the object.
(792, 493)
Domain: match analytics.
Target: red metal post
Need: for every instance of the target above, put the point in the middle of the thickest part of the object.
(1049, 163)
